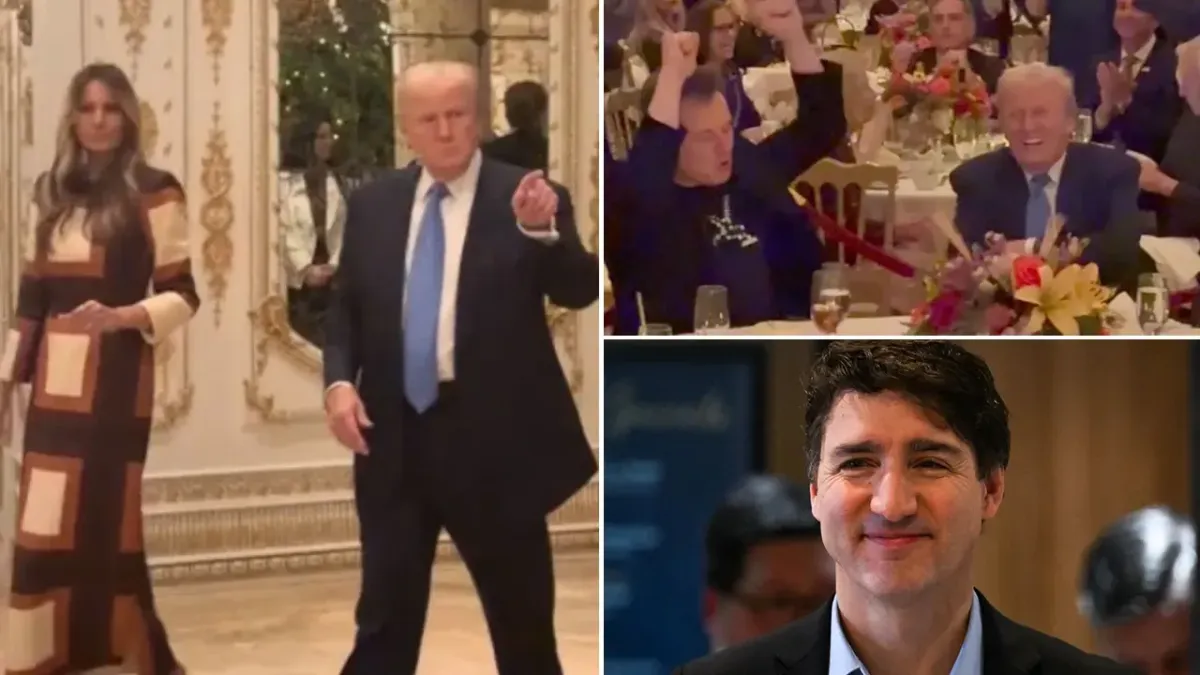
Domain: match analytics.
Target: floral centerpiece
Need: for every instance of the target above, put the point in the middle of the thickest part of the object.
(946, 95)
(998, 289)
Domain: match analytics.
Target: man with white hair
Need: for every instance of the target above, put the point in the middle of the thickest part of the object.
(1177, 180)
(1016, 190)
(1136, 590)
(443, 380)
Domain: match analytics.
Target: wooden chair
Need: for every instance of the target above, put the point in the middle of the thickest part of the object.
(622, 117)
(838, 190)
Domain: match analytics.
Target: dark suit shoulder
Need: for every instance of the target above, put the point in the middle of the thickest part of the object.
(981, 168)
(761, 654)
(1058, 657)
(1104, 161)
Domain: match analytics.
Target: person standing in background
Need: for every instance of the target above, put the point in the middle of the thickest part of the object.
(907, 448)
(1136, 589)
(527, 145)
(437, 313)
(766, 565)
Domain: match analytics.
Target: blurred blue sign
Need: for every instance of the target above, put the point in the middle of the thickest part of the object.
(678, 435)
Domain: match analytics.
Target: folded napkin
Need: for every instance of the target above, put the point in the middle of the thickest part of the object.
(1125, 311)
(1177, 258)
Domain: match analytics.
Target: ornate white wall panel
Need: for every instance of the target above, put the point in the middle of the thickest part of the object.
(242, 475)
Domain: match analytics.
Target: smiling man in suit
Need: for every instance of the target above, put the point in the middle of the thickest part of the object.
(908, 446)
(1014, 191)
(443, 380)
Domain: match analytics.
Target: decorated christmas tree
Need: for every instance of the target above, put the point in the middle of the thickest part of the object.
(335, 65)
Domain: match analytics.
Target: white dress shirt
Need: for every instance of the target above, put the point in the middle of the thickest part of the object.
(456, 216)
(1140, 56)
(843, 660)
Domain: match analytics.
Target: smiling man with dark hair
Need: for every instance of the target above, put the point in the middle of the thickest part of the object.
(908, 446)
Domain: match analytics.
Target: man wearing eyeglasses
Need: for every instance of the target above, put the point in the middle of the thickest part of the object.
(766, 563)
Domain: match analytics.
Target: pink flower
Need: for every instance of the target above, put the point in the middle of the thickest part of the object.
(923, 43)
(902, 55)
(940, 86)
(998, 318)
(944, 311)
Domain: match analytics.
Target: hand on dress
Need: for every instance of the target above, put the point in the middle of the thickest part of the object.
(1116, 89)
(535, 202)
(781, 19)
(679, 52)
(346, 417)
(318, 275)
(96, 317)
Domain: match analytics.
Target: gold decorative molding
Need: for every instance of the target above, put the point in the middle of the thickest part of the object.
(27, 111)
(284, 520)
(149, 129)
(134, 17)
(216, 214)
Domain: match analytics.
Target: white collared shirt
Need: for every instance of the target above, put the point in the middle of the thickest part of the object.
(843, 660)
(456, 216)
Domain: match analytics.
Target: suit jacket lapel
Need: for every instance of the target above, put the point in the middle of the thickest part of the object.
(1065, 199)
(1013, 224)
(477, 249)
(1003, 653)
(806, 652)
(394, 237)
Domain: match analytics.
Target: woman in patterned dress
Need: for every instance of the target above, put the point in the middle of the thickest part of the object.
(104, 228)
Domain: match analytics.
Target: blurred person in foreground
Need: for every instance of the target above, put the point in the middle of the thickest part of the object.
(1136, 590)
(766, 563)
(437, 309)
(908, 446)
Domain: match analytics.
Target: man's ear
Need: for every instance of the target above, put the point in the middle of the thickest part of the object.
(993, 493)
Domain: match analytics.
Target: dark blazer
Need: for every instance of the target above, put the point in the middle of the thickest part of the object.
(1097, 194)
(802, 648)
(989, 68)
(1179, 18)
(525, 149)
(1147, 123)
(1080, 34)
(523, 450)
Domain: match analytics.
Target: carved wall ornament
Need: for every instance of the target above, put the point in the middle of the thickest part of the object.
(216, 214)
(134, 17)
(149, 129)
(27, 111)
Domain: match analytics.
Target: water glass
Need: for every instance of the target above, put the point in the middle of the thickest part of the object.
(830, 298)
(1083, 127)
(712, 309)
(655, 329)
(1153, 303)
(966, 139)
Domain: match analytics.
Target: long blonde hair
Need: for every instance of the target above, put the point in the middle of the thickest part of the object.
(70, 183)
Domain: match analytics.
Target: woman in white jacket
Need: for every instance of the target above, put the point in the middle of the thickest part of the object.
(312, 218)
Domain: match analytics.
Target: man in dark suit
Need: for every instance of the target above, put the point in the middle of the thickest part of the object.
(952, 29)
(465, 420)
(527, 145)
(1136, 589)
(907, 445)
(1139, 98)
(766, 565)
(1015, 191)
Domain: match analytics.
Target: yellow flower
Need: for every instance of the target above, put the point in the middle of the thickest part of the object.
(1060, 298)
(1089, 290)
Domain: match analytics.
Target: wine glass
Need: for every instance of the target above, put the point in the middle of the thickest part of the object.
(966, 139)
(1153, 302)
(712, 309)
(830, 298)
(1083, 127)
(655, 329)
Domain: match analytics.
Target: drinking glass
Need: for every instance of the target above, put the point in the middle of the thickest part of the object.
(1083, 127)
(655, 329)
(1153, 302)
(830, 298)
(712, 309)
(966, 139)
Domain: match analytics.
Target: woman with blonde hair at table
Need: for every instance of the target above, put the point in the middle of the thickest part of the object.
(107, 276)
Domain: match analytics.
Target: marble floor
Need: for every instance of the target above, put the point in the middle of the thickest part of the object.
(303, 624)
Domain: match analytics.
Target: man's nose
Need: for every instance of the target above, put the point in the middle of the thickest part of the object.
(894, 497)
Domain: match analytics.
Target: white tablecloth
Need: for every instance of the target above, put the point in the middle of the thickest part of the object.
(879, 327)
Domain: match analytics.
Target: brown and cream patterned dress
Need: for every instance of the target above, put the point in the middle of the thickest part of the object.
(81, 596)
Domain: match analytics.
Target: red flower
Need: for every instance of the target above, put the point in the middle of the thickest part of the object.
(1027, 271)
(962, 108)
(940, 86)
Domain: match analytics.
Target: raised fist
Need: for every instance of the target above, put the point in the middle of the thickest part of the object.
(679, 52)
(781, 19)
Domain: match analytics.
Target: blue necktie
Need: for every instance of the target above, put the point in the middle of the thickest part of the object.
(1037, 209)
(423, 304)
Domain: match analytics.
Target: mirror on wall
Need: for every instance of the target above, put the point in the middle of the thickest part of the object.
(337, 119)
